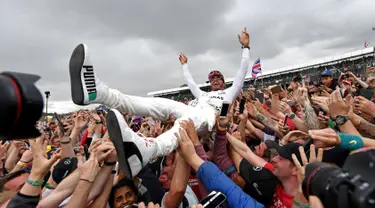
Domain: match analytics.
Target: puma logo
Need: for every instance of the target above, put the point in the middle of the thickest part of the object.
(89, 77)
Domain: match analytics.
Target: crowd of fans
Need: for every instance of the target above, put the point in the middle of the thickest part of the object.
(257, 153)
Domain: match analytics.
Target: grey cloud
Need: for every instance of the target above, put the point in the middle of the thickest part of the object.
(135, 44)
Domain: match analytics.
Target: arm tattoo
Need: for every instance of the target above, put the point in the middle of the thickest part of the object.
(266, 121)
(311, 118)
(366, 127)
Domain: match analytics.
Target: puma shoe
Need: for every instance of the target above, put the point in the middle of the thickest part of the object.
(133, 151)
(86, 88)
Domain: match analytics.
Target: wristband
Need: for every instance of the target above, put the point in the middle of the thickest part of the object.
(221, 128)
(301, 205)
(34, 183)
(99, 122)
(22, 164)
(110, 163)
(49, 186)
(350, 142)
(248, 47)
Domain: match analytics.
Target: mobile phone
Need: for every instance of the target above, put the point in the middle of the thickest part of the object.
(276, 89)
(214, 200)
(242, 104)
(260, 97)
(61, 126)
(224, 110)
(285, 119)
(308, 143)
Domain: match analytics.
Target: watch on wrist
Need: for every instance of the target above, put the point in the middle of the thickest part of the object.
(340, 120)
(292, 116)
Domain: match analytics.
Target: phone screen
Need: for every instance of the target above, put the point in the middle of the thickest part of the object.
(224, 110)
(285, 119)
(307, 144)
(242, 104)
(259, 96)
(61, 126)
(214, 200)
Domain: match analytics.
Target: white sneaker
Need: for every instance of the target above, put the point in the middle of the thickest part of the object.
(133, 151)
(86, 88)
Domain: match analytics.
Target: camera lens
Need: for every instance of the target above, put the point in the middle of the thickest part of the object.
(317, 181)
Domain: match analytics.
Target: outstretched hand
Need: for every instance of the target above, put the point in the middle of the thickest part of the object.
(186, 149)
(183, 59)
(244, 38)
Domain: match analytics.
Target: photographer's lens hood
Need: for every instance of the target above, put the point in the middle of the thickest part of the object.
(21, 105)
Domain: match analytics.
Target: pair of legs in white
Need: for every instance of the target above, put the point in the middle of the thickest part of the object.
(133, 150)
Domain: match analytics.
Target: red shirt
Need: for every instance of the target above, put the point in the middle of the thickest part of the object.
(280, 198)
(194, 184)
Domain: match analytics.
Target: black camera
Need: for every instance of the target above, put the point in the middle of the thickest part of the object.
(351, 186)
(21, 106)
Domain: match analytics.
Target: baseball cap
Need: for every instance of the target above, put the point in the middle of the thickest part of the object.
(260, 182)
(215, 73)
(326, 73)
(63, 168)
(286, 151)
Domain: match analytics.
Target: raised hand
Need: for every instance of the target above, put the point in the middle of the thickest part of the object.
(183, 59)
(80, 121)
(186, 149)
(189, 127)
(301, 167)
(336, 105)
(362, 105)
(325, 138)
(244, 38)
(41, 165)
(285, 108)
(90, 168)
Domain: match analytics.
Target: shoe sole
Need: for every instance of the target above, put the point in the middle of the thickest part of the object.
(75, 66)
(114, 131)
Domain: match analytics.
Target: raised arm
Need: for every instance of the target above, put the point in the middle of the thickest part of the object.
(241, 74)
(194, 88)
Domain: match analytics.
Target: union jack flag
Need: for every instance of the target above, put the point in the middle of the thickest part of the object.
(256, 68)
(366, 44)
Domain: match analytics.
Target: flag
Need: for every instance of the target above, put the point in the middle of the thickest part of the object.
(306, 78)
(256, 68)
(366, 44)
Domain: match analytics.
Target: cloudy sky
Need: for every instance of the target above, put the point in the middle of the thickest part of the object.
(135, 44)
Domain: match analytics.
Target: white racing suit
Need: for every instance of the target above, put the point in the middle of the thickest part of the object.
(201, 111)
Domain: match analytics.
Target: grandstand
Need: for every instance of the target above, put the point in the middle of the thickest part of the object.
(355, 61)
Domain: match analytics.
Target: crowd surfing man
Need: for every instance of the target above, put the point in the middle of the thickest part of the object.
(135, 151)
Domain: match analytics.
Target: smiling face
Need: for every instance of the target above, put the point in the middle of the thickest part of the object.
(124, 197)
(217, 83)
(284, 168)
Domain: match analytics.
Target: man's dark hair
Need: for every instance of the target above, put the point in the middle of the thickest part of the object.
(122, 183)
